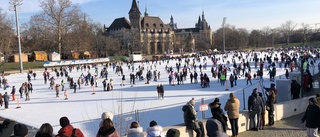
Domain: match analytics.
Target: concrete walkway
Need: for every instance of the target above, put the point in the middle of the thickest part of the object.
(289, 127)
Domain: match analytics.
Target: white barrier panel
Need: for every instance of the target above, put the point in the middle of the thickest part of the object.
(74, 62)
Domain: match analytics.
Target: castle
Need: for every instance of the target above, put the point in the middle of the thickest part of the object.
(151, 35)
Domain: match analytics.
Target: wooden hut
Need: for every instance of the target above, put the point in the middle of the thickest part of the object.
(15, 57)
(40, 56)
(75, 55)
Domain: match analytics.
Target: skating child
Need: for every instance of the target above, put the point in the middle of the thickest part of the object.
(57, 90)
(65, 94)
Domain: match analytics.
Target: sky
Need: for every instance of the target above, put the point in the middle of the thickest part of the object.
(84, 109)
(249, 14)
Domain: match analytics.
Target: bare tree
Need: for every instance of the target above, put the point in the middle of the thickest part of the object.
(287, 29)
(305, 29)
(6, 36)
(61, 15)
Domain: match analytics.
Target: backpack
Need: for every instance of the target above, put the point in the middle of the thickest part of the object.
(256, 104)
(72, 135)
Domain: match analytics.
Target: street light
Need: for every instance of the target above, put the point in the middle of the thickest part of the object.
(15, 4)
(223, 34)
(272, 30)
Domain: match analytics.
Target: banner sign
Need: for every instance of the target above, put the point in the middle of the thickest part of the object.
(74, 62)
(203, 107)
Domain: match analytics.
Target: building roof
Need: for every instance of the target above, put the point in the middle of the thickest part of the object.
(187, 30)
(150, 22)
(40, 52)
(119, 23)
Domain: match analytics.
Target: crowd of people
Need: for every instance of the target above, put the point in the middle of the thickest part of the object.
(239, 67)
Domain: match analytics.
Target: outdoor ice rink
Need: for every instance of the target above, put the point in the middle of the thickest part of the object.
(137, 103)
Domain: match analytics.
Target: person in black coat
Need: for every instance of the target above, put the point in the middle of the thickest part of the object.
(311, 118)
(217, 113)
(6, 128)
(190, 118)
(295, 89)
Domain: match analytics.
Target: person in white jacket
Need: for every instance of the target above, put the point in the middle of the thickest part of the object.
(154, 130)
(135, 130)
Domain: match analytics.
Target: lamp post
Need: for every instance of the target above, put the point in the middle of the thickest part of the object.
(16, 4)
(223, 34)
(272, 31)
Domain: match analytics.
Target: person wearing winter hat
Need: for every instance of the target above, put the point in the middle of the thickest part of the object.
(104, 116)
(6, 128)
(107, 129)
(214, 128)
(67, 129)
(217, 113)
(135, 130)
(173, 133)
(20, 130)
(190, 118)
(311, 118)
(154, 130)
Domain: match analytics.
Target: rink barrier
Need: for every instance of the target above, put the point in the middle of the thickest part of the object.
(282, 110)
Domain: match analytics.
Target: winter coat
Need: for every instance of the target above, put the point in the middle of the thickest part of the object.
(68, 131)
(271, 98)
(216, 111)
(189, 116)
(43, 135)
(214, 128)
(154, 131)
(232, 107)
(135, 132)
(311, 116)
(6, 98)
(254, 98)
(231, 78)
(6, 128)
(104, 132)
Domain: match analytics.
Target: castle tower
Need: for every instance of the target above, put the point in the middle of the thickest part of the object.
(146, 14)
(135, 15)
(172, 24)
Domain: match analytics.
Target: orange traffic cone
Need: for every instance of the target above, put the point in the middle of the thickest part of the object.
(227, 85)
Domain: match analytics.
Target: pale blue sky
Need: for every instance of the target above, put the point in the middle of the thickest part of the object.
(249, 14)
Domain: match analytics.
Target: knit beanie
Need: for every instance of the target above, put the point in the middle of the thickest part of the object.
(106, 115)
(173, 133)
(20, 130)
(64, 121)
(153, 123)
(192, 102)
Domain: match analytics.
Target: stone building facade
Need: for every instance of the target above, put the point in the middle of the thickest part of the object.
(151, 35)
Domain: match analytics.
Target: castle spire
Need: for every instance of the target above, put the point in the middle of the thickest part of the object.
(146, 12)
(134, 7)
(203, 15)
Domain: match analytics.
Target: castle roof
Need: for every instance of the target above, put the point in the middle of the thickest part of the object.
(187, 30)
(150, 22)
(119, 23)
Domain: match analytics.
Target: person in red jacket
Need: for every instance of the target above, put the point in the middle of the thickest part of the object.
(67, 129)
